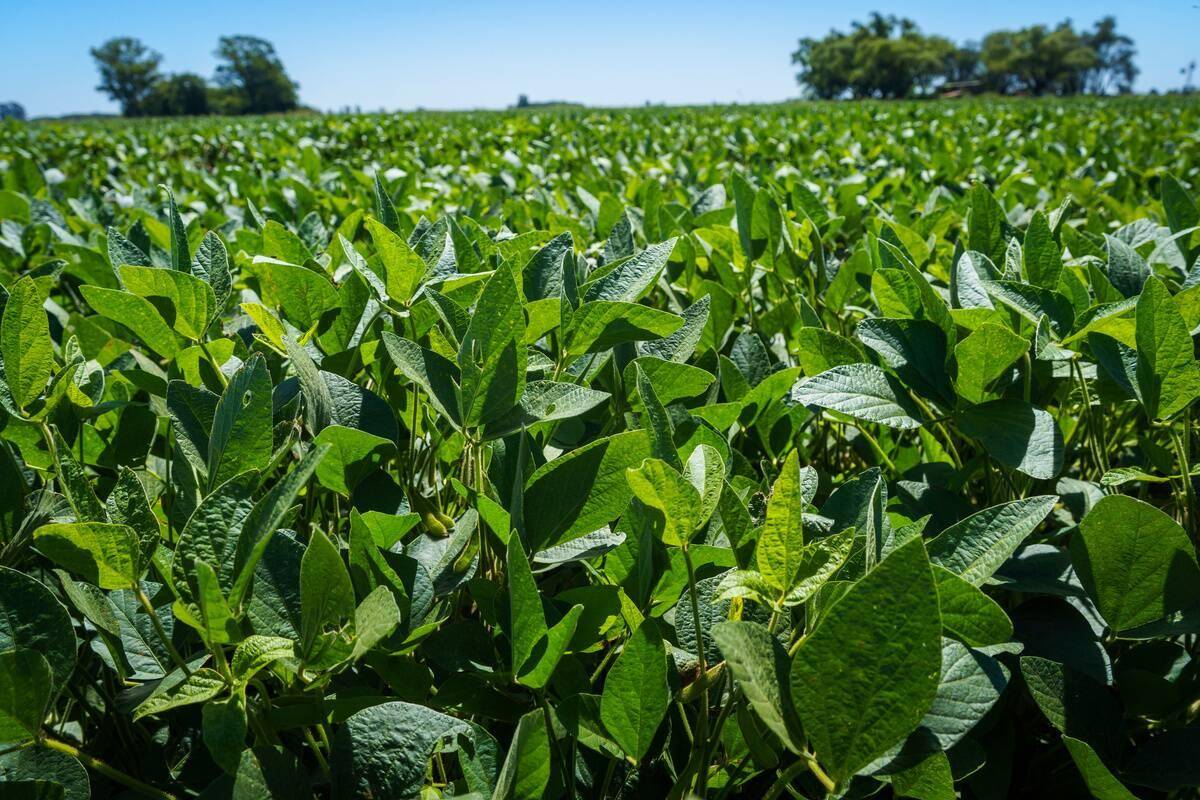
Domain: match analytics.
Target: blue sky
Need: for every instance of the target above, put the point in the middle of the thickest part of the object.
(478, 54)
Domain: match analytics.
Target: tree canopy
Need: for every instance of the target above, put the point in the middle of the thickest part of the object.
(889, 57)
(250, 79)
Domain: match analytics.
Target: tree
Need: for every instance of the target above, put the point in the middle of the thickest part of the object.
(882, 57)
(1037, 60)
(1114, 69)
(254, 74)
(128, 73)
(12, 110)
(182, 94)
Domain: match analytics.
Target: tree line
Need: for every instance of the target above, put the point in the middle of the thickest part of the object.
(889, 57)
(249, 79)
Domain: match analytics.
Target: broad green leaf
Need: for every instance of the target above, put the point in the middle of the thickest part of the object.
(34, 619)
(630, 279)
(1099, 780)
(546, 401)
(975, 547)
(241, 438)
(781, 543)
(493, 356)
(434, 373)
(861, 391)
(968, 614)
(582, 491)
(1168, 375)
(1043, 259)
(353, 454)
(1135, 562)
(929, 779)
(25, 690)
(403, 268)
(820, 560)
(326, 594)
(104, 554)
(759, 665)
(820, 350)
(863, 680)
(201, 686)
(190, 301)
(526, 770)
(661, 487)
(256, 652)
(211, 264)
(657, 421)
(135, 313)
(223, 729)
(25, 346)
(635, 696)
(599, 325)
(983, 356)
(1017, 434)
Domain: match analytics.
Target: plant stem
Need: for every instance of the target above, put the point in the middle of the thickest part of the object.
(104, 769)
(316, 750)
(700, 743)
(1189, 488)
(160, 631)
(216, 367)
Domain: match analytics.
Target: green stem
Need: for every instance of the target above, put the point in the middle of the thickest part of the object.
(160, 631)
(882, 456)
(316, 750)
(104, 769)
(217, 367)
(701, 739)
(1189, 488)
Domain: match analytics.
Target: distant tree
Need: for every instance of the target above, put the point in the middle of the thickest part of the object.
(1114, 70)
(522, 101)
(882, 57)
(181, 94)
(12, 110)
(253, 73)
(963, 63)
(128, 73)
(1038, 60)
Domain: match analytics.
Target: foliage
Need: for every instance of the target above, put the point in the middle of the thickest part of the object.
(842, 451)
(890, 57)
(249, 80)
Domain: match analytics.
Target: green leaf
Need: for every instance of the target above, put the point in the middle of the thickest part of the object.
(180, 258)
(25, 690)
(1135, 562)
(255, 653)
(635, 697)
(582, 491)
(781, 543)
(820, 350)
(201, 686)
(1017, 434)
(600, 325)
(526, 770)
(661, 487)
(135, 313)
(862, 391)
(492, 356)
(190, 301)
(403, 268)
(975, 547)
(819, 561)
(968, 614)
(1096, 776)
(211, 264)
(528, 617)
(985, 223)
(759, 664)
(353, 454)
(34, 619)
(983, 356)
(326, 593)
(1168, 376)
(546, 401)
(863, 680)
(657, 421)
(241, 438)
(25, 346)
(383, 751)
(104, 554)
(630, 279)
(929, 779)
(1043, 258)
(434, 373)
(224, 731)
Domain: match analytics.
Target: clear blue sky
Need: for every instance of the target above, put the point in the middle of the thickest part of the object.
(477, 54)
